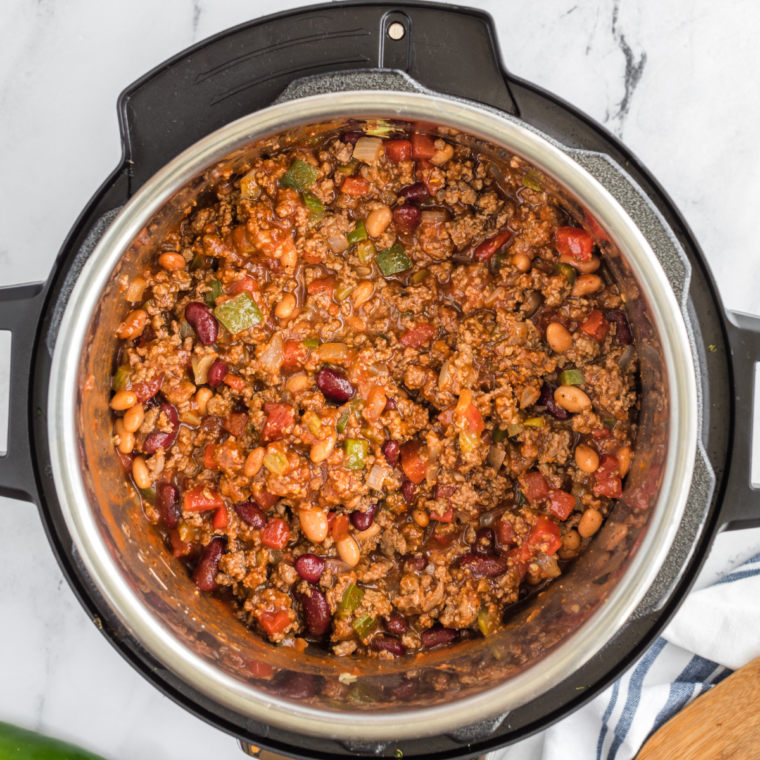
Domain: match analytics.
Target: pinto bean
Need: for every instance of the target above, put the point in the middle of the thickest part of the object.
(171, 261)
(313, 524)
(591, 521)
(587, 284)
(377, 221)
(133, 418)
(348, 550)
(254, 461)
(123, 400)
(559, 338)
(572, 398)
(586, 458)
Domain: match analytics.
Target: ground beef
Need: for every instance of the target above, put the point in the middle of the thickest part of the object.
(340, 369)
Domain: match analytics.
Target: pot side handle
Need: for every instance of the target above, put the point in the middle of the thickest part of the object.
(20, 308)
(741, 503)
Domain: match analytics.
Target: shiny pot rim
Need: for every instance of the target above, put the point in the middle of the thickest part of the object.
(501, 130)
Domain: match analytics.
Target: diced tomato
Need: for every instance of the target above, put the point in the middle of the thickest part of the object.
(330, 521)
(608, 482)
(544, 536)
(355, 186)
(398, 150)
(505, 532)
(474, 419)
(596, 228)
(146, 390)
(235, 382)
(235, 423)
(294, 354)
(221, 518)
(424, 173)
(418, 335)
(275, 534)
(423, 146)
(516, 556)
(596, 326)
(604, 432)
(443, 539)
(413, 463)
(339, 527)
(280, 418)
(180, 548)
(536, 486)
(446, 417)
(126, 460)
(246, 285)
(265, 500)
(489, 247)
(257, 669)
(562, 503)
(575, 242)
(322, 285)
(274, 622)
(202, 499)
(208, 458)
(446, 517)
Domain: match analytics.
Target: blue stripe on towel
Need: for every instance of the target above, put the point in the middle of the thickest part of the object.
(634, 696)
(606, 717)
(741, 575)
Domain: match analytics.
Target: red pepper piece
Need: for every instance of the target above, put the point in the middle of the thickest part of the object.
(575, 242)
(398, 150)
(562, 503)
(418, 335)
(423, 146)
(276, 533)
(596, 326)
(489, 247)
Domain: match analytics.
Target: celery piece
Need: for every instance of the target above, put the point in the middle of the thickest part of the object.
(536, 422)
(572, 377)
(513, 430)
(487, 623)
(533, 180)
(120, 381)
(364, 624)
(352, 598)
(275, 461)
(313, 205)
(311, 343)
(239, 313)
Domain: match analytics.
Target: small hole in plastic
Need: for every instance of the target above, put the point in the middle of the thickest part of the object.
(396, 31)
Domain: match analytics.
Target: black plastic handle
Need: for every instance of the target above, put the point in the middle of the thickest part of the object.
(741, 503)
(20, 308)
(448, 49)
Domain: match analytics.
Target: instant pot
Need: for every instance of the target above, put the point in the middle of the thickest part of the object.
(259, 87)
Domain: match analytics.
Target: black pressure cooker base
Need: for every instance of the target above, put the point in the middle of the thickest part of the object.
(245, 69)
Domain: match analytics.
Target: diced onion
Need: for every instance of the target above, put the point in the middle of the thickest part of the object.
(435, 598)
(201, 367)
(444, 377)
(496, 457)
(431, 475)
(337, 566)
(494, 297)
(377, 369)
(530, 394)
(625, 358)
(338, 243)
(136, 289)
(548, 565)
(433, 216)
(376, 477)
(368, 149)
(271, 359)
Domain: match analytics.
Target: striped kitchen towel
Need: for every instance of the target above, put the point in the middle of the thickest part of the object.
(713, 633)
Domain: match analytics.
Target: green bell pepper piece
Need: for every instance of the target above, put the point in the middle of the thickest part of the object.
(533, 180)
(487, 623)
(572, 377)
(358, 233)
(393, 260)
(120, 381)
(356, 451)
(513, 430)
(499, 434)
(352, 598)
(214, 293)
(570, 272)
(365, 251)
(239, 313)
(364, 624)
(300, 176)
(313, 205)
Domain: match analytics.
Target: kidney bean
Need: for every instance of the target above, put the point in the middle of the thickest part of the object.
(216, 373)
(415, 564)
(391, 451)
(547, 399)
(623, 333)
(203, 322)
(205, 572)
(310, 567)
(481, 566)
(362, 520)
(159, 440)
(317, 612)
(388, 644)
(390, 405)
(396, 623)
(484, 541)
(408, 491)
(351, 137)
(406, 218)
(438, 635)
(167, 501)
(415, 193)
(335, 385)
(251, 514)
(292, 685)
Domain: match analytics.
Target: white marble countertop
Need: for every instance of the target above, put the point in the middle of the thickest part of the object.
(677, 81)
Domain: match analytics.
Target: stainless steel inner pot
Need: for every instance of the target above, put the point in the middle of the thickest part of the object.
(194, 635)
